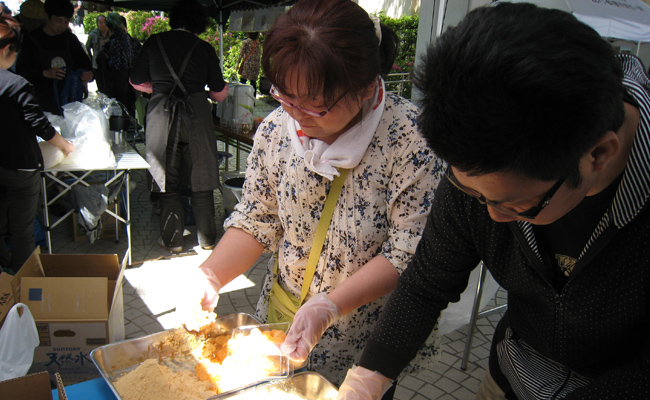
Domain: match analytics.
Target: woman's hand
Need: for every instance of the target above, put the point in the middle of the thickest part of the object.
(54, 73)
(210, 288)
(59, 141)
(67, 147)
(309, 324)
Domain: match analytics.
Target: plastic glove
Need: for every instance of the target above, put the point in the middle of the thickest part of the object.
(210, 289)
(198, 300)
(363, 384)
(309, 324)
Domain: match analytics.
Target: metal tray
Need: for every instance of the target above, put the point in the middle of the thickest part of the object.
(170, 347)
(307, 385)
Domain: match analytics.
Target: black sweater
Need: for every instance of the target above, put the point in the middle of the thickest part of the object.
(597, 324)
(23, 120)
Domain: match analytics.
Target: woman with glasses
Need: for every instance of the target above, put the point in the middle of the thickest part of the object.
(326, 61)
(20, 158)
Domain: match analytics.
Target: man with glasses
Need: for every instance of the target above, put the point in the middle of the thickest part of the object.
(546, 133)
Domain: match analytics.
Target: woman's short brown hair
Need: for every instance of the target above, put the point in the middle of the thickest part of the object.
(332, 44)
(9, 33)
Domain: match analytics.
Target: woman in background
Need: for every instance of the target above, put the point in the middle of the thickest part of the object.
(249, 59)
(20, 158)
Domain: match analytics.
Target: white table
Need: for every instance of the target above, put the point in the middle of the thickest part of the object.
(127, 159)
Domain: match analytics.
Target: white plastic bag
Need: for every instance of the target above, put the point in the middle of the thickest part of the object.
(84, 126)
(458, 314)
(18, 339)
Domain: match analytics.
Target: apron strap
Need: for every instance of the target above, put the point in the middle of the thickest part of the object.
(177, 80)
(172, 104)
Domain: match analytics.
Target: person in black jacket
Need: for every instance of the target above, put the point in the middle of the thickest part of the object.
(20, 158)
(547, 136)
(53, 60)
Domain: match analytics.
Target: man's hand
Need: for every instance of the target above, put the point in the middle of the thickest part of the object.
(55, 73)
(362, 384)
(87, 76)
(309, 324)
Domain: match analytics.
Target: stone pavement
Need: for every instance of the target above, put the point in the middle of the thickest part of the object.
(152, 290)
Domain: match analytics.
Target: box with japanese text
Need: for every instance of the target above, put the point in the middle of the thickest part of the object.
(76, 301)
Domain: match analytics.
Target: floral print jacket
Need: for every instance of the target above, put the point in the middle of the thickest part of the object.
(382, 209)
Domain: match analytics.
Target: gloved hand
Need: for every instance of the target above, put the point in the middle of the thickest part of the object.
(210, 289)
(309, 324)
(197, 312)
(363, 384)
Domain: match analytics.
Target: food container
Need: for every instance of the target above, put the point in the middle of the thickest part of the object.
(172, 349)
(303, 385)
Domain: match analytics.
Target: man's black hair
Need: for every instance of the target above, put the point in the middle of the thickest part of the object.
(518, 88)
(59, 8)
(190, 15)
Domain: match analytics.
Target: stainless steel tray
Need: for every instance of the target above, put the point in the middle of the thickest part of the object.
(307, 385)
(170, 347)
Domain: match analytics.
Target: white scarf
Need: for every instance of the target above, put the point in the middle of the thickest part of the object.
(348, 149)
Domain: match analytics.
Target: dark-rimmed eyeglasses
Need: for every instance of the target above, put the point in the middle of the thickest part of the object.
(275, 93)
(531, 213)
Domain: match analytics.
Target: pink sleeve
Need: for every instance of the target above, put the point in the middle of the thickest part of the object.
(145, 87)
(219, 96)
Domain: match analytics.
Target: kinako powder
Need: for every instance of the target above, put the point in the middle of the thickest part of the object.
(152, 381)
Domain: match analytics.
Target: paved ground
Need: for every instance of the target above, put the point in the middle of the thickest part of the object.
(151, 290)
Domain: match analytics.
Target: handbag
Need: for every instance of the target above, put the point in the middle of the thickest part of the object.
(283, 305)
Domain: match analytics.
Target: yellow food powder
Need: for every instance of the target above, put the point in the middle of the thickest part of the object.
(152, 381)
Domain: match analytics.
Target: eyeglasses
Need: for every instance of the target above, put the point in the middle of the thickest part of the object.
(316, 114)
(531, 213)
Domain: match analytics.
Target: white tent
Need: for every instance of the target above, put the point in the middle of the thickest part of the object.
(627, 20)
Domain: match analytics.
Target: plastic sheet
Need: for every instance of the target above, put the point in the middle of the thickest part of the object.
(84, 126)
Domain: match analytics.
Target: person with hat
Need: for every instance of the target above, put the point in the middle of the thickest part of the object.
(31, 15)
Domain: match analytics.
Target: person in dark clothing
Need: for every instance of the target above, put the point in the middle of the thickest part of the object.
(547, 136)
(116, 60)
(97, 38)
(175, 67)
(136, 46)
(54, 61)
(20, 158)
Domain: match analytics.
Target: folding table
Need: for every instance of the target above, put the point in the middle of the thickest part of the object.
(127, 159)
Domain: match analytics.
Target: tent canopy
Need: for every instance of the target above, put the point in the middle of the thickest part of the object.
(628, 20)
(218, 9)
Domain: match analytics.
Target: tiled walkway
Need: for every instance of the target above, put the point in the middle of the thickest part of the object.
(151, 289)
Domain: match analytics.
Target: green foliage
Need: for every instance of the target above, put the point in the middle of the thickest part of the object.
(90, 21)
(142, 24)
(406, 29)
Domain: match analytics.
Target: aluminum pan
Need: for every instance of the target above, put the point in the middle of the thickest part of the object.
(170, 347)
(308, 385)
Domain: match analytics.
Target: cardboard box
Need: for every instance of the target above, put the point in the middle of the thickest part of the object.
(108, 225)
(6, 296)
(76, 301)
(31, 387)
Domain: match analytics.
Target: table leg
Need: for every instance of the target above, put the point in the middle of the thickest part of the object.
(128, 215)
(46, 215)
